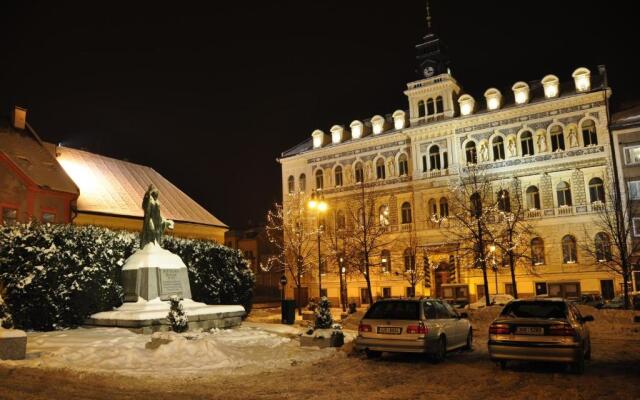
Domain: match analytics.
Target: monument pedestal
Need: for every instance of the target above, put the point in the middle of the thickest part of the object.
(150, 277)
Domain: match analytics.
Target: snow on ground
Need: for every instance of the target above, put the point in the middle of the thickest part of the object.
(250, 348)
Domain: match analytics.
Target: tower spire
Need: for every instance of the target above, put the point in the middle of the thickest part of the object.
(432, 55)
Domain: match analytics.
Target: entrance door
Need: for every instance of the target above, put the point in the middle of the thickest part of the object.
(444, 274)
(304, 296)
(364, 296)
(606, 288)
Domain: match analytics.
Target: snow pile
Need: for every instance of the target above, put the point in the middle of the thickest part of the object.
(240, 350)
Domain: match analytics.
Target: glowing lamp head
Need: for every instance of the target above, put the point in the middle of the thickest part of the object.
(582, 79)
(550, 84)
(322, 206)
(492, 248)
(313, 204)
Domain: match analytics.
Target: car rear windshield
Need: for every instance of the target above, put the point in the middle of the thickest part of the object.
(394, 310)
(535, 309)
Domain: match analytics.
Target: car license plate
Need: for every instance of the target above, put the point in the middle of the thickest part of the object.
(389, 330)
(529, 330)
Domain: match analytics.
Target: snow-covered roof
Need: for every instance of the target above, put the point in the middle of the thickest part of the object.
(25, 151)
(115, 187)
(627, 118)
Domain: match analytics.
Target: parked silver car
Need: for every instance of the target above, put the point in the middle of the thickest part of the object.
(413, 326)
(540, 329)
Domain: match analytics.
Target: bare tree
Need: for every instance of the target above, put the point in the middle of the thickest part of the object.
(472, 213)
(514, 232)
(613, 243)
(289, 232)
(369, 229)
(411, 247)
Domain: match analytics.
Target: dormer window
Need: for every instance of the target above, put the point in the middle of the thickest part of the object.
(467, 103)
(493, 98)
(550, 84)
(336, 134)
(398, 119)
(356, 129)
(521, 92)
(377, 122)
(318, 138)
(582, 79)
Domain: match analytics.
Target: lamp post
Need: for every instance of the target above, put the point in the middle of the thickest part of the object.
(492, 249)
(318, 204)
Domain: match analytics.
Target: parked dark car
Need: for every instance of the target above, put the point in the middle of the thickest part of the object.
(539, 329)
(617, 303)
(593, 300)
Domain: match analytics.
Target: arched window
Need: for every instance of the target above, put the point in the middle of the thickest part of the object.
(338, 175)
(444, 207)
(291, 184)
(476, 205)
(563, 191)
(341, 221)
(406, 212)
(403, 165)
(537, 251)
(430, 107)
(603, 247)
(569, 250)
(557, 138)
(409, 260)
(432, 208)
(385, 260)
(380, 172)
(504, 202)
(589, 136)
(319, 179)
(359, 173)
(533, 198)
(421, 109)
(470, 152)
(596, 190)
(434, 158)
(439, 105)
(498, 148)
(302, 182)
(526, 143)
(383, 215)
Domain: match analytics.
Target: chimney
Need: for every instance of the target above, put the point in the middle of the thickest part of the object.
(19, 117)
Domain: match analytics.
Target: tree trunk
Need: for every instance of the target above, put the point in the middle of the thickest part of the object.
(299, 286)
(512, 267)
(366, 277)
(625, 282)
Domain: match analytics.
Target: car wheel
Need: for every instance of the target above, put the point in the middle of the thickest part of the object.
(441, 350)
(503, 364)
(587, 355)
(469, 345)
(372, 353)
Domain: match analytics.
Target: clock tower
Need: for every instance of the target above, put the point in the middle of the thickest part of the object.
(432, 97)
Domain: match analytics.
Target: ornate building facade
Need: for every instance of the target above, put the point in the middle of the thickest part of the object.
(550, 134)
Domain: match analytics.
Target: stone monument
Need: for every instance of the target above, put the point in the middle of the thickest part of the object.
(152, 275)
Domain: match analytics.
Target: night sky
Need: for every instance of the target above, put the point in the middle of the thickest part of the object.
(210, 93)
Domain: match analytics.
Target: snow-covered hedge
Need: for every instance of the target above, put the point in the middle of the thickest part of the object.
(54, 276)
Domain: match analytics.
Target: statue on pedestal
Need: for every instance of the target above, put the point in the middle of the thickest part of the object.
(153, 225)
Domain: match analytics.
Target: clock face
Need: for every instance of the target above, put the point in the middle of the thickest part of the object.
(428, 71)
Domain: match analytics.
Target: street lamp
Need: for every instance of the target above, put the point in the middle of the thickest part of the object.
(317, 203)
(492, 249)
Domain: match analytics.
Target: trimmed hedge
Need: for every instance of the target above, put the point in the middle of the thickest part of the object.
(54, 276)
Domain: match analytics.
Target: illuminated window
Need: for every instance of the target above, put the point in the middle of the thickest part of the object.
(409, 260)
(319, 179)
(596, 190)
(498, 148)
(533, 198)
(380, 169)
(406, 213)
(632, 155)
(569, 250)
(383, 215)
(470, 152)
(434, 157)
(504, 203)
(537, 251)
(385, 260)
(291, 184)
(338, 175)
(526, 142)
(634, 190)
(603, 247)
(589, 136)
(557, 138)
(563, 191)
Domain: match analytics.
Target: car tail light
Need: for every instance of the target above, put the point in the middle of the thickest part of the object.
(562, 330)
(417, 329)
(364, 328)
(499, 329)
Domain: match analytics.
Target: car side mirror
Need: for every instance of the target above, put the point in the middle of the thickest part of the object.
(464, 315)
(587, 318)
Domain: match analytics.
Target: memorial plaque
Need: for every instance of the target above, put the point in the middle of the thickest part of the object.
(170, 283)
